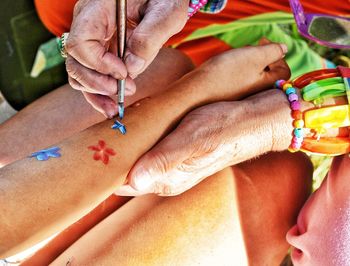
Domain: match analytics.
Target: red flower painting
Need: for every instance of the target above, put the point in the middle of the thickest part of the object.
(102, 152)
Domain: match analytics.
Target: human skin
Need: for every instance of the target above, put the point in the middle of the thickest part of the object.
(263, 191)
(322, 232)
(25, 184)
(92, 64)
(218, 225)
(64, 112)
(177, 162)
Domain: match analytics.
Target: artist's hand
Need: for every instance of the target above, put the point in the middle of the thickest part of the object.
(218, 135)
(92, 64)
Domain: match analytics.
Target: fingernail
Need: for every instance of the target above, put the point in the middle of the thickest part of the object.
(111, 112)
(130, 87)
(127, 190)
(129, 92)
(141, 180)
(134, 64)
(284, 48)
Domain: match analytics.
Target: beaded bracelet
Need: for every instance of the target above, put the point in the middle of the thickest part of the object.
(314, 87)
(298, 123)
(195, 5)
(206, 6)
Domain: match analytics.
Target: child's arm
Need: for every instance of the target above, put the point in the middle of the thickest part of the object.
(39, 198)
(65, 112)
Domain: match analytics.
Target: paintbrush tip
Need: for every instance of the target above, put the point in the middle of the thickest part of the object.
(121, 110)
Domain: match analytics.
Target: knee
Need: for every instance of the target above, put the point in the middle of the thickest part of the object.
(271, 190)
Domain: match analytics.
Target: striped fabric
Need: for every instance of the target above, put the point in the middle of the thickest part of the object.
(214, 6)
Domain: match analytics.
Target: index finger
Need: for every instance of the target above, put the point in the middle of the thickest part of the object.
(269, 53)
(92, 54)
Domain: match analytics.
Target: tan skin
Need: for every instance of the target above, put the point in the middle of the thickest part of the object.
(238, 108)
(30, 176)
(228, 217)
(71, 112)
(92, 64)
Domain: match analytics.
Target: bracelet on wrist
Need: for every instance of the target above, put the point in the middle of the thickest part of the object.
(315, 87)
(298, 122)
(206, 6)
(195, 5)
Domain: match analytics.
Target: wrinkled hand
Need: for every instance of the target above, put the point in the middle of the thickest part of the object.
(92, 64)
(214, 136)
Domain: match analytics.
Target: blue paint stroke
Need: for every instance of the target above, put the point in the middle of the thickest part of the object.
(44, 155)
(119, 126)
(121, 111)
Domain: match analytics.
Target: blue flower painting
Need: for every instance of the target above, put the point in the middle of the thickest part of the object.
(119, 126)
(44, 155)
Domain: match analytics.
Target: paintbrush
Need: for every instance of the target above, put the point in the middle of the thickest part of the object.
(121, 35)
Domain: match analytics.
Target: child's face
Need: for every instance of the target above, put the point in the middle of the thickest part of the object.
(322, 233)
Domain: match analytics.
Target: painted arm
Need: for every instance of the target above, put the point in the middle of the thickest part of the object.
(40, 198)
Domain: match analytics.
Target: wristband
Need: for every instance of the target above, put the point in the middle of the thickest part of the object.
(298, 123)
(206, 6)
(195, 5)
(315, 86)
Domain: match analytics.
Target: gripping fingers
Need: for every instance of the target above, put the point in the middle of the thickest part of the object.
(102, 103)
(94, 82)
(94, 56)
(90, 80)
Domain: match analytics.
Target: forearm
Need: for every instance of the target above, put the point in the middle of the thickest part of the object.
(265, 124)
(51, 195)
(64, 111)
(37, 126)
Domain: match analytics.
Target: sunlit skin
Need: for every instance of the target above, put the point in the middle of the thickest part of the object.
(322, 233)
(173, 104)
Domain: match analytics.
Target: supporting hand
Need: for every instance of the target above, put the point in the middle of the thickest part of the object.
(214, 136)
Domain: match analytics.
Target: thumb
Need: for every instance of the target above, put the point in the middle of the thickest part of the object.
(162, 19)
(156, 167)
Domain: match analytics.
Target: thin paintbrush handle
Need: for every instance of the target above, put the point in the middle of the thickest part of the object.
(121, 35)
(121, 27)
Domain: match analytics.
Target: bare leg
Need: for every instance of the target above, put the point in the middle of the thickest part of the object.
(240, 216)
(64, 111)
(270, 192)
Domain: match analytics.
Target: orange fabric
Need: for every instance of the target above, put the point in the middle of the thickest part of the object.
(57, 17)
(57, 14)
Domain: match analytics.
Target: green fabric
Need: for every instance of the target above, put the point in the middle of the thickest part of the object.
(21, 33)
(261, 19)
(248, 31)
(300, 57)
(47, 57)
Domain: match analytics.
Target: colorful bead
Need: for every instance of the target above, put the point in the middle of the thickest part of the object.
(292, 97)
(195, 5)
(298, 132)
(297, 114)
(295, 105)
(286, 86)
(279, 83)
(297, 140)
(291, 90)
(296, 146)
(298, 123)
